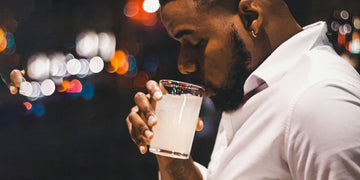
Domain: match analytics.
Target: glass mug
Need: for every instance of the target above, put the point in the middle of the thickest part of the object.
(178, 113)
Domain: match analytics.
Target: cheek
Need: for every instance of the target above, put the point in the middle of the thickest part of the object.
(217, 62)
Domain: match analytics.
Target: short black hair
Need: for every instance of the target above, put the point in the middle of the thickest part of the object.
(163, 2)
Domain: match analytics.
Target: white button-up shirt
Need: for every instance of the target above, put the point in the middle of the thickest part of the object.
(304, 123)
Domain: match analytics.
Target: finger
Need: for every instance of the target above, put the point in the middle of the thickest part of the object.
(142, 149)
(154, 90)
(140, 141)
(13, 89)
(200, 125)
(145, 107)
(138, 127)
(16, 77)
(22, 72)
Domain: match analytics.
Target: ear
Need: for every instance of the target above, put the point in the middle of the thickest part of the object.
(251, 15)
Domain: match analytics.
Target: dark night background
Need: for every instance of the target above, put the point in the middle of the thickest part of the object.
(79, 138)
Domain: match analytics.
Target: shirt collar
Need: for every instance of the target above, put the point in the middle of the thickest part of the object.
(285, 56)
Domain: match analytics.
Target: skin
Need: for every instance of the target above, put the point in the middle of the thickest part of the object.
(206, 54)
(15, 80)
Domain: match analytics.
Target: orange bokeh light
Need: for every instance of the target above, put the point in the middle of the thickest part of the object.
(355, 35)
(347, 46)
(3, 41)
(147, 19)
(119, 63)
(341, 40)
(64, 86)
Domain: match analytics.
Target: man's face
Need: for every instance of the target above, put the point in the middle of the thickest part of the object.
(211, 50)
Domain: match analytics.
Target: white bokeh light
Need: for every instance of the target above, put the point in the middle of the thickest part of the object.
(47, 87)
(57, 65)
(73, 66)
(355, 46)
(96, 64)
(107, 45)
(84, 70)
(25, 88)
(87, 44)
(36, 91)
(344, 15)
(39, 67)
(151, 6)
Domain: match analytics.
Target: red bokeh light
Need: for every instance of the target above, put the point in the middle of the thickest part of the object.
(75, 86)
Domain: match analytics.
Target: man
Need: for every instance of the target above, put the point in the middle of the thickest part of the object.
(291, 105)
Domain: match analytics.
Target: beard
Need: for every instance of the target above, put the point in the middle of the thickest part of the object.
(230, 95)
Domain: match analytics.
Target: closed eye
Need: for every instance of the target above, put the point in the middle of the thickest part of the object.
(180, 34)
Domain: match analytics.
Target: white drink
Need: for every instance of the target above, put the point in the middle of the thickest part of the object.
(174, 132)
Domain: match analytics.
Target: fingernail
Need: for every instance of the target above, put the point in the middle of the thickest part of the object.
(151, 120)
(148, 133)
(158, 94)
(142, 149)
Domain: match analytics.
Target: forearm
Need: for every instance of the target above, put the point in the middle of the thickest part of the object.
(171, 168)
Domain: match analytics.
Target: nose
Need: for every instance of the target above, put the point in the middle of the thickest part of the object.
(187, 62)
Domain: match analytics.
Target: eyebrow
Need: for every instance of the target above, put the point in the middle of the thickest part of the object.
(182, 33)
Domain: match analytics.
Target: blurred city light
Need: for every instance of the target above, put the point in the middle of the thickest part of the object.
(140, 15)
(355, 46)
(38, 67)
(3, 41)
(75, 86)
(96, 64)
(132, 62)
(87, 44)
(107, 45)
(132, 73)
(141, 79)
(27, 105)
(11, 46)
(344, 15)
(357, 22)
(118, 63)
(88, 90)
(73, 66)
(151, 6)
(63, 86)
(36, 91)
(84, 68)
(25, 88)
(131, 9)
(47, 87)
(151, 64)
(57, 65)
(341, 39)
(37, 109)
(345, 29)
(335, 26)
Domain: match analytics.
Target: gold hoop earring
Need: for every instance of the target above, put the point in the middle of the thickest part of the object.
(253, 34)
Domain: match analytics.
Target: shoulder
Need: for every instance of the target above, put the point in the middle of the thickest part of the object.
(324, 129)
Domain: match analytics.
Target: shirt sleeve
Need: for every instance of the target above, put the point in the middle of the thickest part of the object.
(323, 137)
